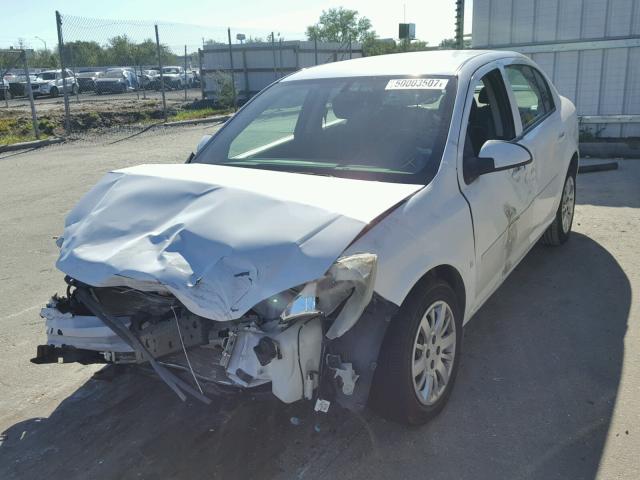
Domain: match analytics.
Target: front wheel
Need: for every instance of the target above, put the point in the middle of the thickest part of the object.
(420, 356)
(53, 93)
(559, 231)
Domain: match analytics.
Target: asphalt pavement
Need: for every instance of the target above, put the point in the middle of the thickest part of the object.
(548, 385)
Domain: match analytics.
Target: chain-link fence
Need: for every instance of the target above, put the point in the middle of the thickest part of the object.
(106, 72)
(16, 81)
(167, 71)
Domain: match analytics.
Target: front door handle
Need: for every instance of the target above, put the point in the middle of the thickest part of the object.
(561, 136)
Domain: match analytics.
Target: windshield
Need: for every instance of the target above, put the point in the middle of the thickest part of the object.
(375, 128)
(113, 74)
(170, 70)
(47, 75)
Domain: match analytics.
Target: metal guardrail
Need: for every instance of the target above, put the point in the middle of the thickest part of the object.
(591, 119)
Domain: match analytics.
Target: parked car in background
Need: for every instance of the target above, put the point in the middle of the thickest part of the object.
(116, 80)
(50, 83)
(149, 79)
(87, 81)
(4, 89)
(174, 77)
(332, 239)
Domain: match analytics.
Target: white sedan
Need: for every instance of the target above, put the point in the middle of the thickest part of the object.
(331, 240)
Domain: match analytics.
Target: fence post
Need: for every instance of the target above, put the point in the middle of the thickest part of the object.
(67, 119)
(233, 78)
(73, 69)
(200, 53)
(185, 73)
(280, 55)
(164, 100)
(273, 49)
(144, 88)
(34, 119)
(247, 90)
(315, 48)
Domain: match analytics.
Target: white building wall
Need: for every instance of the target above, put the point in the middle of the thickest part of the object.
(589, 48)
(257, 65)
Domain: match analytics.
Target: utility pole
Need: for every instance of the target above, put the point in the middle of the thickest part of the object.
(459, 24)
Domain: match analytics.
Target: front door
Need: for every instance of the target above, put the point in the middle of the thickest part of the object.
(500, 201)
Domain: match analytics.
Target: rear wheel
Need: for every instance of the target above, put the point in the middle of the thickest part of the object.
(420, 356)
(559, 231)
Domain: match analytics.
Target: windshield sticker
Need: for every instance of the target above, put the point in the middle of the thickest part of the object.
(417, 84)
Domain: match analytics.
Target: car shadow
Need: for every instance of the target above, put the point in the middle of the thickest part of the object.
(534, 397)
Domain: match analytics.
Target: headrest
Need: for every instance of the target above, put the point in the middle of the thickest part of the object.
(483, 97)
(347, 103)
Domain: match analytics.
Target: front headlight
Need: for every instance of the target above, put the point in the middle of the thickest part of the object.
(348, 284)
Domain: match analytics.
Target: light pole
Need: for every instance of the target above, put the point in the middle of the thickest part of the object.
(45, 43)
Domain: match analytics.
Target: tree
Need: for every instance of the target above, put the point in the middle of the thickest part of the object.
(375, 46)
(43, 59)
(81, 53)
(341, 25)
(412, 46)
(450, 43)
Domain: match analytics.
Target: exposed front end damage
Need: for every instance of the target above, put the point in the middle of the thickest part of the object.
(316, 341)
(225, 275)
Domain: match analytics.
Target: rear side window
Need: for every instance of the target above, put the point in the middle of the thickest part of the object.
(531, 92)
(547, 98)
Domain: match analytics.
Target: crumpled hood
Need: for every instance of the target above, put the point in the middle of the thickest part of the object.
(221, 239)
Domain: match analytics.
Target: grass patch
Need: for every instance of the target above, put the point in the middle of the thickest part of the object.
(195, 114)
(17, 130)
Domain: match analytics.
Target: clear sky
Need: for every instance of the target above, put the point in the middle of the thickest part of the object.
(26, 19)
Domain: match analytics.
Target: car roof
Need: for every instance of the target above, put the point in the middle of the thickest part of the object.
(435, 62)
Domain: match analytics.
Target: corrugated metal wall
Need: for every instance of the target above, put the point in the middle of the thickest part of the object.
(257, 65)
(589, 48)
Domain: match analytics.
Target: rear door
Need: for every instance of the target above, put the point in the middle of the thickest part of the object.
(539, 128)
(499, 201)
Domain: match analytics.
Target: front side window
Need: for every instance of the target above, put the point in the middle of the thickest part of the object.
(490, 117)
(374, 128)
(532, 103)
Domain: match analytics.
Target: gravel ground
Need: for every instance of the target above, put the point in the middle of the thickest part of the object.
(547, 387)
(98, 102)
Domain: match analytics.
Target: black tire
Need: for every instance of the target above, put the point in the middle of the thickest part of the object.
(393, 394)
(53, 93)
(74, 89)
(556, 234)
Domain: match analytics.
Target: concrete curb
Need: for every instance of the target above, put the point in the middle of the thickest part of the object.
(35, 144)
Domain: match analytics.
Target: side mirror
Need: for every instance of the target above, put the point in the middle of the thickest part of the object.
(495, 156)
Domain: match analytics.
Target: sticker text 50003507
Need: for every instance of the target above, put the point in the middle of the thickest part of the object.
(417, 84)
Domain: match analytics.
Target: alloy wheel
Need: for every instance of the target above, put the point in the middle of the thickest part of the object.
(434, 351)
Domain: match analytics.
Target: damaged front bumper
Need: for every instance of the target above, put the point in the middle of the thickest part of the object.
(320, 340)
